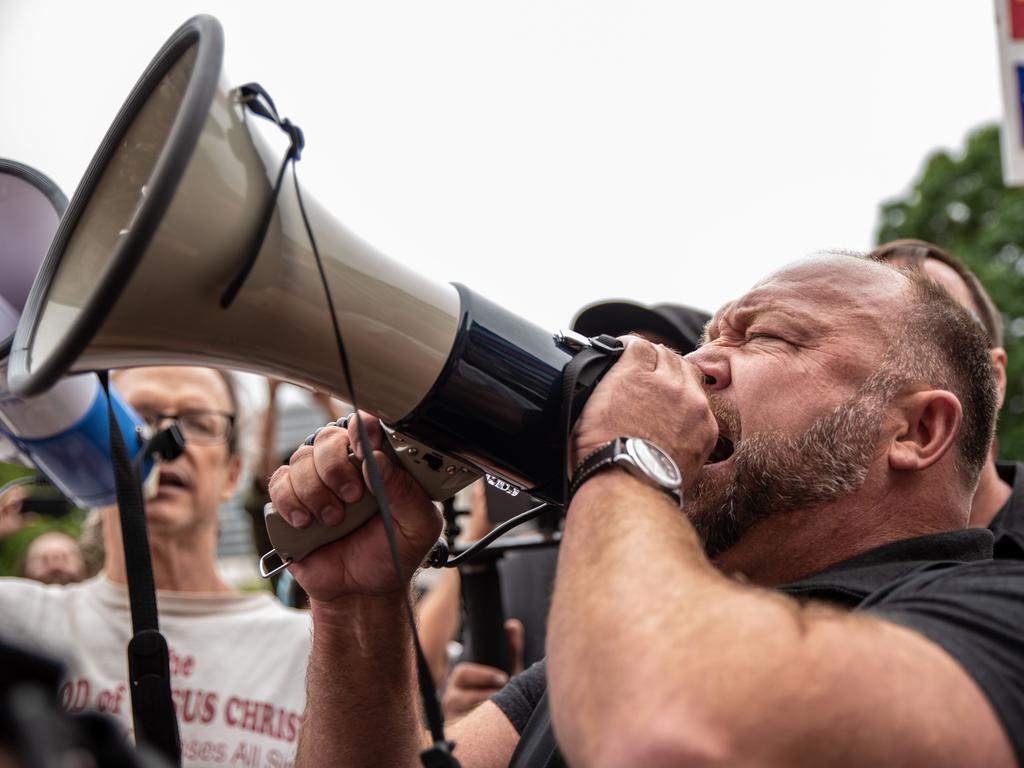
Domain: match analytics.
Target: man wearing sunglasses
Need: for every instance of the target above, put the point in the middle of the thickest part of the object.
(237, 659)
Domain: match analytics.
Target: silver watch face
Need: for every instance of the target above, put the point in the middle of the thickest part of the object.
(655, 462)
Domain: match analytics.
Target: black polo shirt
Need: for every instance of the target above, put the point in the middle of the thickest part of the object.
(945, 586)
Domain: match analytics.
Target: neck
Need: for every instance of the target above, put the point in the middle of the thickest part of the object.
(181, 563)
(794, 545)
(990, 497)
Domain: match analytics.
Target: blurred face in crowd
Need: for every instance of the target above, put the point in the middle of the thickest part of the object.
(944, 275)
(793, 376)
(192, 486)
(947, 277)
(54, 558)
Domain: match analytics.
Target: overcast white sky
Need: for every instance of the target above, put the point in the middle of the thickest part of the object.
(549, 153)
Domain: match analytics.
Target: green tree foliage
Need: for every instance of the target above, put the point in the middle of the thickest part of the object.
(960, 203)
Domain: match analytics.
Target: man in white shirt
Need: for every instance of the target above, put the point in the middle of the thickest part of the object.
(237, 660)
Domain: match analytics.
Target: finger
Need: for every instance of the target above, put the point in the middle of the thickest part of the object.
(314, 496)
(285, 500)
(516, 634)
(371, 424)
(470, 675)
(334, 465)
(638, 353)
(667, 359)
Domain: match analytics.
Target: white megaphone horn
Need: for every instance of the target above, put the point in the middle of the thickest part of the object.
(167, 217)
(64, 431)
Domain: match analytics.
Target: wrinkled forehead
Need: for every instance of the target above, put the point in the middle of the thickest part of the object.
(174, 387)
(838, 292)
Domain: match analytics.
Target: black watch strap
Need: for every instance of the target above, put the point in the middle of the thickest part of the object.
(593, 463)
(640, 458)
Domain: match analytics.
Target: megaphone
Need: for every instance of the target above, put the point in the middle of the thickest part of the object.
(65, 430)
(171, 209)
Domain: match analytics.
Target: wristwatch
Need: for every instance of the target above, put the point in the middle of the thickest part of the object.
(641, 458)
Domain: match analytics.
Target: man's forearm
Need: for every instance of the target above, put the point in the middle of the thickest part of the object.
(361, 705)
(637, 611)
(657, 659)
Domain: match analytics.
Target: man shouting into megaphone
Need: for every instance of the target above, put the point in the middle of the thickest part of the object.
(817, 601)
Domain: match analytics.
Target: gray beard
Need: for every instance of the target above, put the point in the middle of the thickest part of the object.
(779, 473)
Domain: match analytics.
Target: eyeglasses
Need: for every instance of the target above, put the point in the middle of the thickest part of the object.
(199, 426)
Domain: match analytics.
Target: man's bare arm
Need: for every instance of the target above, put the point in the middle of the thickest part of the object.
(655, 658)
(484, 738)
(362, 703)
(361, 708)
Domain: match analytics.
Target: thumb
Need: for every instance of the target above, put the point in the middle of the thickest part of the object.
(516, 635)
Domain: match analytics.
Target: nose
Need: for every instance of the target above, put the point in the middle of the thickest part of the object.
(714, 365)
(56, 558)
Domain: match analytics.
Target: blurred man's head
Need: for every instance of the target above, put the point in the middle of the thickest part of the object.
(192, 486)
(962, 284)
(834, 373)
(54, 558)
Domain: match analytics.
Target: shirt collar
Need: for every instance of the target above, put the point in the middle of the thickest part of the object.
(852, 580)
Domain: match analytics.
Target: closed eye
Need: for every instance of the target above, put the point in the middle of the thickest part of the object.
(764, 336)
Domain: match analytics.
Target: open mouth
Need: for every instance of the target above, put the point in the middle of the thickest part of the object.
(169, 478)
(723, 450)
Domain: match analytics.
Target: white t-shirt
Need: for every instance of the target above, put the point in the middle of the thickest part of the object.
(238, 662)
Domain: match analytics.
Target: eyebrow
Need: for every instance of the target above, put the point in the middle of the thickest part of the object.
(745, 316)
(184, 405)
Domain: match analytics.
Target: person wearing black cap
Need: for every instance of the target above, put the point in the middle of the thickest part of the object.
(674, 325)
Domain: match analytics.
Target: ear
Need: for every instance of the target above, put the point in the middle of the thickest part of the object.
(928, 425)
(998, 355)
(234, 474)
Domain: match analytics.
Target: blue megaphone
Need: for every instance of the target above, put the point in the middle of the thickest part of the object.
(65, 431)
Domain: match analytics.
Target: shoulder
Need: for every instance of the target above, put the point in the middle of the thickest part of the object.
(263, 612)
(974, 612)
(983, 593)
(15, 592)
(33, 612)
(13, 588)
(519, 698)
(992, 581)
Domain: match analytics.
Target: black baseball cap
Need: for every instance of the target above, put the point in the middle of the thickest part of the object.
(679, 324)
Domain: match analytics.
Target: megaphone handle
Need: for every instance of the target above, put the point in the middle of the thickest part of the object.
(292, 544)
